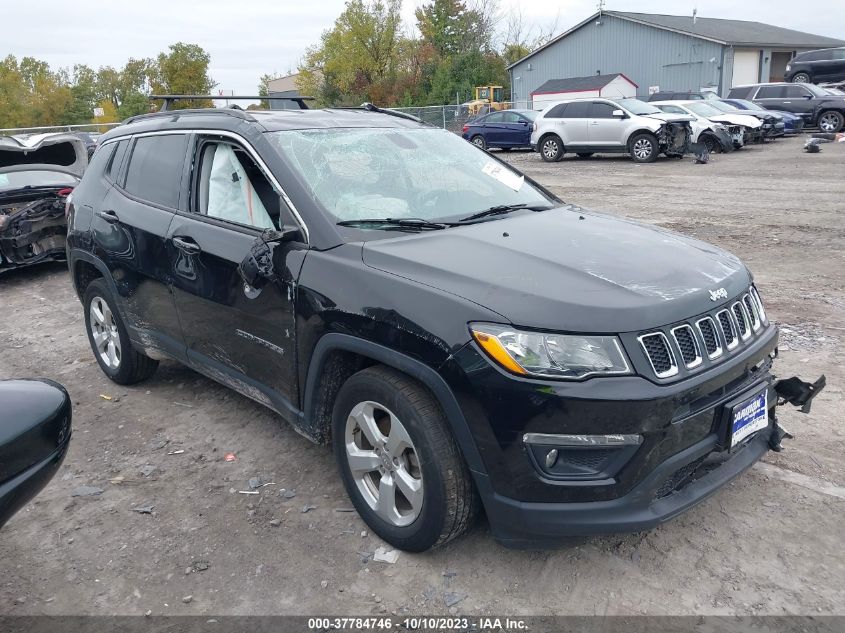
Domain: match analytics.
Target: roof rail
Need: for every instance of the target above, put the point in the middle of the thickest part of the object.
(238, 114)
(169, 100)
(369, 107)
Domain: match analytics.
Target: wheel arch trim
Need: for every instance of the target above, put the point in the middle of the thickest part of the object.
(414, 368)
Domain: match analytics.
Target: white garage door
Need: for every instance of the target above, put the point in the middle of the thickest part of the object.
(746, 68)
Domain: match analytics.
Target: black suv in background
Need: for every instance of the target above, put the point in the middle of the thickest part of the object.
(826, 64)
(461, 337)
(815, 105)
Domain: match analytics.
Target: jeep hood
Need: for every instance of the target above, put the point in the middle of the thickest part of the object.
(43, 151)
(567, 269)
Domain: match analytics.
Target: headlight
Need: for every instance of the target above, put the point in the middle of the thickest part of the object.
(567, 356)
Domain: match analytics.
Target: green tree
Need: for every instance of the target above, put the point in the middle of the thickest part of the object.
(184, 70)
(13, 108)
(358, 57)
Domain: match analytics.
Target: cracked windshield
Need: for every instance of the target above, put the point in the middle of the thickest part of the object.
(365, 173)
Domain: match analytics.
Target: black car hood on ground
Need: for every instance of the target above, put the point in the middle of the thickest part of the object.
(567, 270)
(66, 151)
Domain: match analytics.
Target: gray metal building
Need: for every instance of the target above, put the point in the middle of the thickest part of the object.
(666, 51)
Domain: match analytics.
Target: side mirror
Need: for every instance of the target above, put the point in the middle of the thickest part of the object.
(256, 268)
(808, 96)
(35, 426)
(619, 113)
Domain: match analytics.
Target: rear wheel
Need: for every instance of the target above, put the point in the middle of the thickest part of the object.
(801, 78)
(479, 141)
(643, 148)
(400, 464)
(110, 340)
(831, 122)
(551, 148)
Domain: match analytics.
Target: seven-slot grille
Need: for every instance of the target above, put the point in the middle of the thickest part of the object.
(690, 352)
(660, 355)
(709, 336)
(712, 344)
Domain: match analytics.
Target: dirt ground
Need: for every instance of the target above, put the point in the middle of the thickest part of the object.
(770, 543)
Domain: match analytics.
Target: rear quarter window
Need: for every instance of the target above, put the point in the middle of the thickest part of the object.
(155, 167)
(116, 159)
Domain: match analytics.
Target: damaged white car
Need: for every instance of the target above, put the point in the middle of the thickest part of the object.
(37, 174)
(743, 128)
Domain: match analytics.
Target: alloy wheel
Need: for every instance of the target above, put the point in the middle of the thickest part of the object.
(478, 141)
(384, 463)
(801, 78)
(104, 332)
(550, 148)
(643, 149)
(829, 122)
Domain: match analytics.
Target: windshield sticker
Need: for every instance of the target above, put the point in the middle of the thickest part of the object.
(503, 175)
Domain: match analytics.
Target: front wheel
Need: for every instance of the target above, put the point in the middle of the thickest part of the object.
(643, 148)
(801, 78)
(831, 122)
(710, 142)
(400, 464)
(551, 148)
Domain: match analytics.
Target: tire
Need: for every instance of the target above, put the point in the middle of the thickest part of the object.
(709, 141)
(801, 78)
(643, 148)
(551, 148)
(585, 154)
(831, 122)
(479, 141)
(114, 353)
(445, 502)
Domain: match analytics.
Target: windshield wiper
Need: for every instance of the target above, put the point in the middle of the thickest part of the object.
(502, 209)
(394, 224)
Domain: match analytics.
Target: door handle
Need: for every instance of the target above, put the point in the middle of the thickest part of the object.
(186, 244)
(594, 122)
(109, 216)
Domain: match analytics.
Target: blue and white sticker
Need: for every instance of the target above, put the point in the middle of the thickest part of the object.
(750, 417)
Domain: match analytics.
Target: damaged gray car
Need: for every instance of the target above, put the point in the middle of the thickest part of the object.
(37, 174)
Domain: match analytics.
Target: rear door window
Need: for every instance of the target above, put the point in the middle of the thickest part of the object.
(557, 112)
(770, 92)
(155, 169)
(578, 110)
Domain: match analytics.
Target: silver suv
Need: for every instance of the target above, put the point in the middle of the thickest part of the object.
(587, 126)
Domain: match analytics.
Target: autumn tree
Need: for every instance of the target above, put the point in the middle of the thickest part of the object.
(358, 57)
(184, 70)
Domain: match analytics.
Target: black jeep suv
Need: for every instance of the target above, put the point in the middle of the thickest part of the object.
(462, 337)
(815, 105)
(825, 64)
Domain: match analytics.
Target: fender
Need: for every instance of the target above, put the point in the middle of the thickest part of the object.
(414, 368)
(76, 255)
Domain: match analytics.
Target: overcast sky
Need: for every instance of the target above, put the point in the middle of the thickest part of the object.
(251, 38)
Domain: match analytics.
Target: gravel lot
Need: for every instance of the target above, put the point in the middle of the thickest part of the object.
(771, 543)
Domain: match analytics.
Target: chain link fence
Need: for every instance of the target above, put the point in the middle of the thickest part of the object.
(91, 128)
(453, 117)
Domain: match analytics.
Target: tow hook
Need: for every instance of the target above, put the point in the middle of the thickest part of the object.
(798, 393)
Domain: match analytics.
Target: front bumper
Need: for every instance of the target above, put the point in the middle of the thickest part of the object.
(520, 524)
